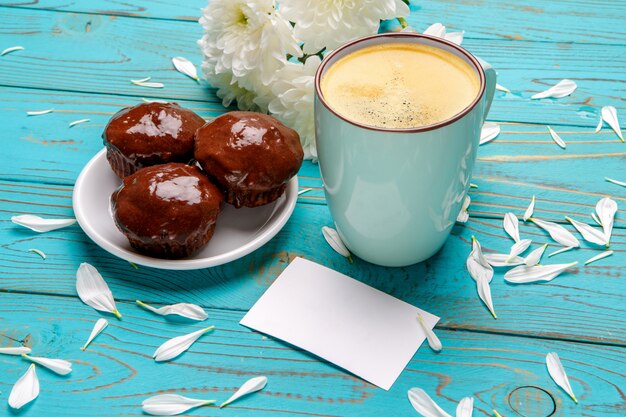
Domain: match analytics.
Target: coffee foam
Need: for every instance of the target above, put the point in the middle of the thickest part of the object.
(399, 85)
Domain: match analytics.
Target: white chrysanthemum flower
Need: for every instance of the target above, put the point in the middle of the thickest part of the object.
(246, 36)
(249, 93)
(293, 102)
(330, 23)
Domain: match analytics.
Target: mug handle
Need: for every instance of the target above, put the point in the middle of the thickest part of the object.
(490, 78)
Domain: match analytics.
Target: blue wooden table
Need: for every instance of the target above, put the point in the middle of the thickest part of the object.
(78, 60)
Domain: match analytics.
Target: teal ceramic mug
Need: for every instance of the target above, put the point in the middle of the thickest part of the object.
(394, 194)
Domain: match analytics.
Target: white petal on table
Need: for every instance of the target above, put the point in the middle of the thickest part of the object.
(250, 386)
(100, 325)
(185, 66)
(561, 89)
(431, 337)
(556, 138)
(186, 310)
(425, 405)
(606, 209)
(39, 224)
(511, 226)
(465, 407)
(530, 210)
(526, 274)
(556, 252)
(599, 256)
(557, 232)
(25, 389)
(454, 37)
(94, 291)
(481, 272)
(519, 248)
(609, 115)
(534, 257)
(500, 260)
(39, 112)
(59, 366)
(17, 350)
(557, 372)
(502, 88)
(335, 242)
(177, 345)
(171, 404)
(12, 49)
(616, 182)
(489, 132)
(590, 234)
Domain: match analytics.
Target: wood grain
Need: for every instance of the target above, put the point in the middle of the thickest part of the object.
(116, 372)
(574, 306)
(556, 21)
(126, 50)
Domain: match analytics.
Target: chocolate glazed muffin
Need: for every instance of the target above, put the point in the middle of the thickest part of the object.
(149, 134)
(251, 156)
(167, 211)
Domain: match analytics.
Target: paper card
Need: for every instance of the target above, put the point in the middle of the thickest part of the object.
(359, 328)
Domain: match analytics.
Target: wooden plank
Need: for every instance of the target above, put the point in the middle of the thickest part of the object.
(523, 161)
(558, 21)
(440, 285)
(126, 51)
(116, 372)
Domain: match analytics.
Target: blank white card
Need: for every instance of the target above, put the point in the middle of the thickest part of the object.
(357, 327)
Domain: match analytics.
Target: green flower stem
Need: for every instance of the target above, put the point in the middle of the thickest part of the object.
(403, 22)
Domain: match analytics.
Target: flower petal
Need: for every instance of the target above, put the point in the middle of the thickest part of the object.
(557, 232)
(465, 407)
(431, 337)
(534, 257)
(502, 88)
(606, 209)
(561, 89)
(500, 260)
(59, 366)
(622, 183)
(171, 404)
(529, 211)
(41, 225)
(525, 274)
(12, 49)
(556, 138)
(489, 132)
(609, 115)
(557, 372)
(177, 345)
(100, 325)
(77, 122)
(25, 389)
(250, 386)
(17, 350)
(599, 256)
(519, 247)
(556, 252)
(436, 29)
(185, 66)
(589, 233)
(39, 112)
(94, 291)
(186, 310)
(511, 226)
(335, 242)
(424, 405)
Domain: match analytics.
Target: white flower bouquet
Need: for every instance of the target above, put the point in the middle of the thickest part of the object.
(263, 55)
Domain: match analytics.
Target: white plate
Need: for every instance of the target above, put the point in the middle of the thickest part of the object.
(237, 233)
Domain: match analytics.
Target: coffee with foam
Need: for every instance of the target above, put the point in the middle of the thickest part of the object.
(399, 85)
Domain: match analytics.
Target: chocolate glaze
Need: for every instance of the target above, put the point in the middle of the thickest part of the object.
(167, 211)
(250, 155)
(150, 134)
